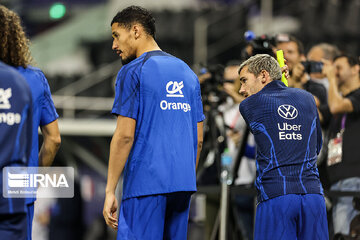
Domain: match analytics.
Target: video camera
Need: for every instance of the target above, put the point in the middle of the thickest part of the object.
(216, 71)
(263, 44)
(212, 89)
(313, 66)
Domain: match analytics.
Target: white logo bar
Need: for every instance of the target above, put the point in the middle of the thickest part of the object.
(24, 182)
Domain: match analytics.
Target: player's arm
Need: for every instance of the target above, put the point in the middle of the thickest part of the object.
(200, 127)
(51, 143)
(337, 103)
(120, 147)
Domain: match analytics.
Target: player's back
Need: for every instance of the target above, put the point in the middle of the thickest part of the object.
(286, 128)
(44, 111)
(15, 128)
(165, 145)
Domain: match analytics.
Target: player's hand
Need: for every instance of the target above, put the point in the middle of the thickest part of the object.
(298, 72)
(329, 70)
(110, 210)
(317, 101)
(203, 77)
(285, 69)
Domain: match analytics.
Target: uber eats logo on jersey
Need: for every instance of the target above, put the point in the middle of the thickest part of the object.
(9, 118)
(288, 131)
(173, 90)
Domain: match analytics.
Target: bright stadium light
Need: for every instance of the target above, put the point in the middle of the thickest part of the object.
(57, 11)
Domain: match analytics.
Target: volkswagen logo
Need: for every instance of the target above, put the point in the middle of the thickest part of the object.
(287, 111)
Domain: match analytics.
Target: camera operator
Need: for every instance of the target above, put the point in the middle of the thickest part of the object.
(305, 74)
(220, 89)
(316, 54)
(293, 53)
(344, 131)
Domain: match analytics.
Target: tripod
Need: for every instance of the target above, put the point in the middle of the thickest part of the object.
(221, 226)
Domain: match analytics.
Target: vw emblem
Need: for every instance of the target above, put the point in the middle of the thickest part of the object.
(287, 111)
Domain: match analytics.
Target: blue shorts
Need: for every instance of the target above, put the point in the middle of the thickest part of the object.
(13, 226)
(29, 216)
(155, 217)
(293, 217)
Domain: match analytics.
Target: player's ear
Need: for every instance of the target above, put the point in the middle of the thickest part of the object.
(264, 75)
(355, 69)
(136, 31)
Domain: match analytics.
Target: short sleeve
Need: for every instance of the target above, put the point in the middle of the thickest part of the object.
(200, 114)
(355, 100)
(48, 110)
(127, 95)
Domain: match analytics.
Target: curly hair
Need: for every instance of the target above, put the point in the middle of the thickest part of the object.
(14, 45)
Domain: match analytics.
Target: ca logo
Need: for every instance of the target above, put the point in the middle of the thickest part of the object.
(287, 111)
(4, 98)
(174, 89)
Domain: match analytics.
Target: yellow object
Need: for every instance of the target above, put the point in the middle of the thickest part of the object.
(281, 61)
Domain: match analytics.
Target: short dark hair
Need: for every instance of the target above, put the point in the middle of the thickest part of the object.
(352, 60)
(285, 38)
(135, 14)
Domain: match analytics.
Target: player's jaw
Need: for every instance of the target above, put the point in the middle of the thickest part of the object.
(126, 58)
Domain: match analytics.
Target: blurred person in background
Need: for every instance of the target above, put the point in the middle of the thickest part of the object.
(287, 132)
(317, 53)
(222, 82)
(15, 52)
(300, 77)
(158, 136)
(293, 53)
(344, 131)
(15, 146)
(236, 128)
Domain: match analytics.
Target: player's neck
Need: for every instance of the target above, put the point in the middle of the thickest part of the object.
(147, 46)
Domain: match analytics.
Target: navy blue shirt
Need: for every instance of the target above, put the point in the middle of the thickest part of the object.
(163, 95)
(287, 132)
(15, 129)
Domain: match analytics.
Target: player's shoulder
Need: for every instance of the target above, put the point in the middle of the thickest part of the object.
(300, 93)
(127, 70)
(10, 78)
(8, 71)
(160, 57)
(31, 72)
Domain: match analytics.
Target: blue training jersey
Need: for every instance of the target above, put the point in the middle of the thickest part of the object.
(286, 127)
(44, 111)
(15, 130)
(163, 95)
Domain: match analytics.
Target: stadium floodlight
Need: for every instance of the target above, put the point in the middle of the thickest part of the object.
(57, 11)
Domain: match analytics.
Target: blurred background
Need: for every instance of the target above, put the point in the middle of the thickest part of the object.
(71, 43)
